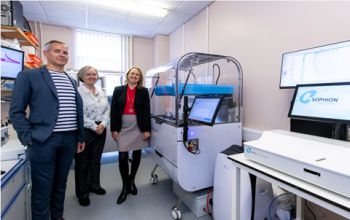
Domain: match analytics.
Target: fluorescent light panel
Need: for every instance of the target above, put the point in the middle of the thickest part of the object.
(134, 6)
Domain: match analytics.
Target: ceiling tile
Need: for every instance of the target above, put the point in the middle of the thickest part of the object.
(74, 3)
(32, 7)
(192, 7)
(135, 15)
(67, 22)
(98, 7)
(165, 29)
(54, 9)
(106, 19)
(170, 5)
(138, 24)
(103, 28)
(176, 17)
(36, 17)
(131, 32)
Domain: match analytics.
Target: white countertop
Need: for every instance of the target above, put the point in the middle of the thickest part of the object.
(7, 166)
(12, 149)
(10, 155)
(306, 190)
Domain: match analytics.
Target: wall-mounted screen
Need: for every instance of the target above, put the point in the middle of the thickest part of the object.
(324, 64)
(205, 109)
(329, 102)
(11, 62)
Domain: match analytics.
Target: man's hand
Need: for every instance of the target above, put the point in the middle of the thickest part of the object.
(80, 147)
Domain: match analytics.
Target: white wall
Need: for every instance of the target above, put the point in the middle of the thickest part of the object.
(160, 50)
(143, 53)
(176, 43)
(66, 35)
(256, 34)
(196, 34)
(46, 33)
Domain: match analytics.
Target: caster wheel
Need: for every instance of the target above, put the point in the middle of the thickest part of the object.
(154, 179)
(176, 213)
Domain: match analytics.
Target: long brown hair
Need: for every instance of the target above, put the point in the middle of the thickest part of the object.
(140, 82)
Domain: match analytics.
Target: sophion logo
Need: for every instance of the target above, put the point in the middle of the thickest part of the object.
(307, 96)
(310, 96)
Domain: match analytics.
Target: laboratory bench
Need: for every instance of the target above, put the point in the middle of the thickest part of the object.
(15, 182)
(303, 190)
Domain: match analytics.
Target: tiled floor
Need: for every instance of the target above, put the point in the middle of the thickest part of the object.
(152, 202)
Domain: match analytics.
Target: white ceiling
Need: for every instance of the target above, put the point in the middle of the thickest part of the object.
(84, 15)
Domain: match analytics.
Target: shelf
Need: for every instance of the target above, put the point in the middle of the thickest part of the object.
(15, 32)
(6, 94)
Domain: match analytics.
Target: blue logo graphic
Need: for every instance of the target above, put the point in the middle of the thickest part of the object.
(248, 150)
(307, 96)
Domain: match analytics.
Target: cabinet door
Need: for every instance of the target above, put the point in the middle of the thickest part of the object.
(18, 209)
(13, 185)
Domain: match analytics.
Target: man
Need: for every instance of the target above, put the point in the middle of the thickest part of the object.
(52, 132)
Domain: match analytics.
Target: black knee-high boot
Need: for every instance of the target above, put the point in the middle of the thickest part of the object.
(136, 159)
(124, 172)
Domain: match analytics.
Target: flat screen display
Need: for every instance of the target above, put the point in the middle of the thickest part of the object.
(11, 62)
(205, 109)
(328, 102)
(324, 64)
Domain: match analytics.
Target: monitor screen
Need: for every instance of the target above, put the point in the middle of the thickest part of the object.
(324, 64)
(205, 109)
(11, 62)
(329, 102)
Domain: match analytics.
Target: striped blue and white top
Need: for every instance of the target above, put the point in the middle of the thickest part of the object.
(67, 110)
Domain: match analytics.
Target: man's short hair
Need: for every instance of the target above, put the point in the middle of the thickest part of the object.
(48, 44)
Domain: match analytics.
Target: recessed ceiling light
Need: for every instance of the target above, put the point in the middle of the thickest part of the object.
(134, 6)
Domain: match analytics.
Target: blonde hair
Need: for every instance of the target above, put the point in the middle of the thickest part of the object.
(140, 82)
(81, 73)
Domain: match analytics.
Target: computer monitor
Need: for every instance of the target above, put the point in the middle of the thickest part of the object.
(323, 64)
(205, 109)
(328, 102)
(11, 62)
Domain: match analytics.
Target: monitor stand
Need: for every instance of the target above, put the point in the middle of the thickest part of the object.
(321, 129)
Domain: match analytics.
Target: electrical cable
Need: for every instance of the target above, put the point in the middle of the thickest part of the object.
(185, 84)
(192, 151)
(274, 199)
(155, 86)
(194, 77)
(206, 209)
(309, 209)
(219, 73)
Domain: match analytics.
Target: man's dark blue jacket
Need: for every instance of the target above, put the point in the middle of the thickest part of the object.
(36, 89)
